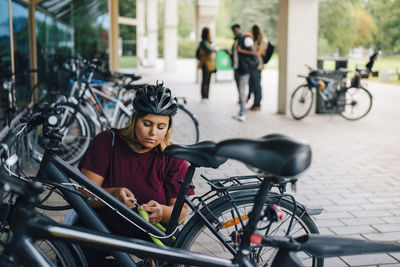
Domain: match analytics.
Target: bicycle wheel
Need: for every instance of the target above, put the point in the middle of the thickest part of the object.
(185, 127)
(123, 120)
(358, 103)
(196, 237)
(77, 132)
(301, 102)
(58, 253)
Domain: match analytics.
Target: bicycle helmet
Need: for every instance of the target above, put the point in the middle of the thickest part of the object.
(155, 99)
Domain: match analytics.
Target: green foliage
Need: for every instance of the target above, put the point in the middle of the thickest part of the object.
(386, 14)
(127, 62)
(338, 24)
(186, 13)
(127, 8)
(186, 48)
(263, 12)
(366, 28)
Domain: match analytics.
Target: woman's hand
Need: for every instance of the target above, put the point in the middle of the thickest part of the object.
(155, 211)
(125, 196)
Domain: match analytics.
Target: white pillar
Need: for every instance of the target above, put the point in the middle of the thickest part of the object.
(170, 35)
(206, 13)
(140, 30)
(152, 36)
(298, 45)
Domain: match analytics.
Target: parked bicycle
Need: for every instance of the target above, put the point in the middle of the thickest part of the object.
(220, 215)
(334, 94)
(276, 157)
(102, 106)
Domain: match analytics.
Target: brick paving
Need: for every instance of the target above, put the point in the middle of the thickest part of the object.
(355, 174)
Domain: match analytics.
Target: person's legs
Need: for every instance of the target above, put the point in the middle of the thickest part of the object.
(256, 75)
(205, 83)
(243, 83)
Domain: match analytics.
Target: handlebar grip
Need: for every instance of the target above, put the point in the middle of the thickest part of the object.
(8, 141)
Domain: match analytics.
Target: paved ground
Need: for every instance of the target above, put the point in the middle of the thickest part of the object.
(355, 175)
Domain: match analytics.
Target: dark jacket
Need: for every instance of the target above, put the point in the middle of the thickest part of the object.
(247, 63)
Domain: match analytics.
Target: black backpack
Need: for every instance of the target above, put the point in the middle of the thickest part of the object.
(268, 53)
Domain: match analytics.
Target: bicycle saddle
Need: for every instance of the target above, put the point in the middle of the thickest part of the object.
(200, 155)
(274, 154)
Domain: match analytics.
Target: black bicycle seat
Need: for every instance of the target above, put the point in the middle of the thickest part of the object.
(200, 155)
(274, 154)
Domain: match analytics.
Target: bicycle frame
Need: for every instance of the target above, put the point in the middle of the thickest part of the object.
(25, 227)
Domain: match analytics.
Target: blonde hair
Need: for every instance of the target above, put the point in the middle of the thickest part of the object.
(128, 133)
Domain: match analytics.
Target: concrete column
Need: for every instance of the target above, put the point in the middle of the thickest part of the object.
(113, 9)
(170, 35)
(152, 36)
(140, 30)
(206, 13)
(298, 44)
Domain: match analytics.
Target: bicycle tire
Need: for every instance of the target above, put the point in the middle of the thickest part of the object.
(185, 127)
(301, 102)
(196, 237)
(61, 254)
(122, 120)
(78, 134)
(365, 103)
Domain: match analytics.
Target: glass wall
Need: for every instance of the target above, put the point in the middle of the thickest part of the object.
(21, 51)
(5, 56)
(64, 29)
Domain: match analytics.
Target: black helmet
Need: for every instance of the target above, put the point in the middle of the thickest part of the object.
(155, 99)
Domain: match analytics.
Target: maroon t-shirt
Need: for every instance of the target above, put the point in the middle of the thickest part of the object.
(150, 176)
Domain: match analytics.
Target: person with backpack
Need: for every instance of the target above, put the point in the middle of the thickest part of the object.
(260, 47)
(206, 61)
(244, 62)
(130, 165)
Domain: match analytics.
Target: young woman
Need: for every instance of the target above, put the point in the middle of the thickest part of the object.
(207, 62)
(259, 48)
(129, 163)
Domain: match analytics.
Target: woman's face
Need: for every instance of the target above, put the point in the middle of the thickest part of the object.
(150, 130)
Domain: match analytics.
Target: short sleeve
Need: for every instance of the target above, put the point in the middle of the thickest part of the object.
(97, 156)
(248, 42)
(175, 173)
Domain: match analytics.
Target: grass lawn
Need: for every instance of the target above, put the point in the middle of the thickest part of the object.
(382, 64)
(127, 62)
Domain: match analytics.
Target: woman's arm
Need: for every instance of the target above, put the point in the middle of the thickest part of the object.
(162, 213)
(206, 47)
(121, 193)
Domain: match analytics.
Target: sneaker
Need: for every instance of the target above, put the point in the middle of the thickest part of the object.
(255, 108)
(239, 117)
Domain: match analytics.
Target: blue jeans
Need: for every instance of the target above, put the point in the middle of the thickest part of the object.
(255, 84)
(242, 80)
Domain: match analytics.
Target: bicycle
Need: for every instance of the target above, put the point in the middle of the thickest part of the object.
(334, 96)
(236, 199)
(91, 108)
(259, 154)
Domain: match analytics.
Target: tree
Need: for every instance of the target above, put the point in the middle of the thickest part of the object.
(337, 25)
(386, 14)
(263, 12)
(366, 28)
